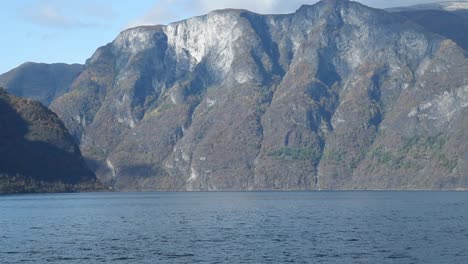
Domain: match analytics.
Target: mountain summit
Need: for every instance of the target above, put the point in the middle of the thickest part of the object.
(334, 96)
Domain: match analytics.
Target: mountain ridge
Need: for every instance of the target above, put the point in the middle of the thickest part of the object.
(334, 96)
(40, 81)
(448, 22)
(446, 6)
(36, 152)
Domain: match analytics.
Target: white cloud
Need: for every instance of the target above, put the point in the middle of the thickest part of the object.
(99, 11)
(52, 14)
(48, 15)
(162, 13)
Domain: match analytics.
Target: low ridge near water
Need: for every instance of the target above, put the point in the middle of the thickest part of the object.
(337, 95)
(37, 154)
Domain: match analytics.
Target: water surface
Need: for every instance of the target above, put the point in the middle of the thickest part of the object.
(266, 227)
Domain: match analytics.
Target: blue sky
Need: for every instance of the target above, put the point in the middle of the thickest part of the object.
(70, 31)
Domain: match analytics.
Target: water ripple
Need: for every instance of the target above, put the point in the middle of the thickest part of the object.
(336, 227)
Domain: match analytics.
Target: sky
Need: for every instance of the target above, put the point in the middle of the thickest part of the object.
(71, 30)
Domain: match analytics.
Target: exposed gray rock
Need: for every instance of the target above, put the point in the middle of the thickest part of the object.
(448, 19)
(335, 96)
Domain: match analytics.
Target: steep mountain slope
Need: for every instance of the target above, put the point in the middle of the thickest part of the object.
(335, 96)
(39, 81)
(448, 19)
(36, 151)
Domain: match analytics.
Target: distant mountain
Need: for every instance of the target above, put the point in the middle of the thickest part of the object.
(451, 6)
(36, 152)
(39, 81)
(334, 96)
(448, 19)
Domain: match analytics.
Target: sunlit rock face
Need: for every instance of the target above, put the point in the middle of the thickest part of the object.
(334, 96)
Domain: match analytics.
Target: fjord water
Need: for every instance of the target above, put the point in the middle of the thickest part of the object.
(265, 227)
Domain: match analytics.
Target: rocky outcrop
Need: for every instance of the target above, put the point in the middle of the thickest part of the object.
(39, 81)
(448, 19)
(335, 96)
(36, 152)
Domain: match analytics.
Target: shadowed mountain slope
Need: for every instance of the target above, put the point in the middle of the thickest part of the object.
(36, 152)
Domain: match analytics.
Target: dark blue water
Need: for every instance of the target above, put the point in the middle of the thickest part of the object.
(322, 227)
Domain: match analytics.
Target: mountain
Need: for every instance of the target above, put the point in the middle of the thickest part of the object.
(39, 81)
(448, 19)
(36, 152)
(334, 96)
(450, 6)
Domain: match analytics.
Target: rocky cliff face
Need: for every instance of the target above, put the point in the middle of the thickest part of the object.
(36, 152)
(448, 19)
(39, 81)
(335, 96)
